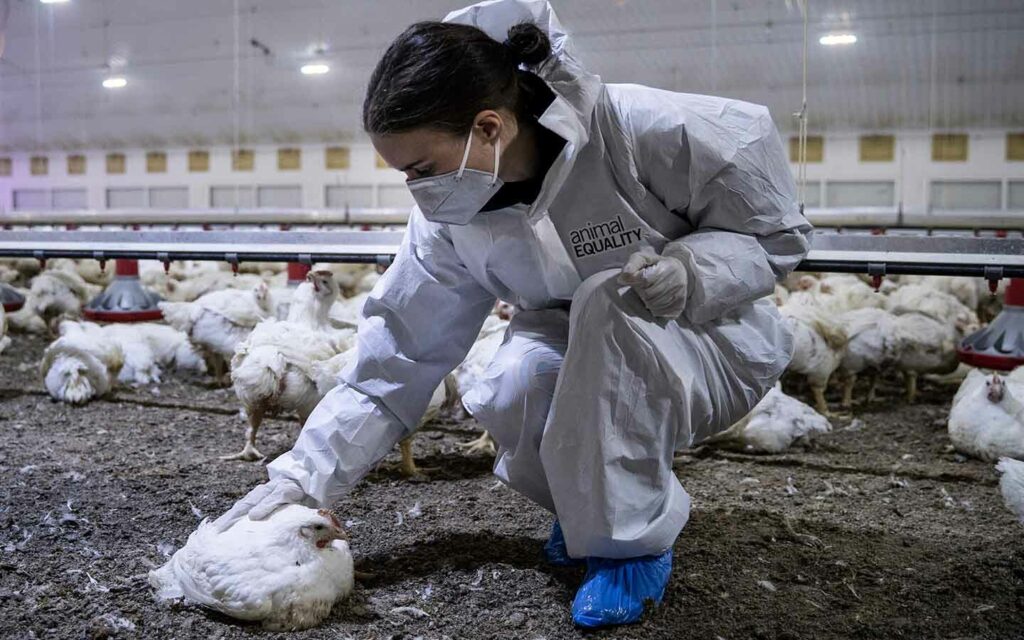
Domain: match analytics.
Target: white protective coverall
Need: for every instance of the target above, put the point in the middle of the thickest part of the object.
(589, 395)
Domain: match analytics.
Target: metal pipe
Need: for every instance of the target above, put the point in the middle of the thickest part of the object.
(865, 217)
(360, 215)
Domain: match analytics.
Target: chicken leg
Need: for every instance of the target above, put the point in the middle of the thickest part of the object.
(820, 405)
(250, 453)
(848, 384)
(484, 444)
(911, 378)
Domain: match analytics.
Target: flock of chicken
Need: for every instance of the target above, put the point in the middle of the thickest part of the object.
(282, 348)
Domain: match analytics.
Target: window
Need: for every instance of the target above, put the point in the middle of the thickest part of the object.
(243, 160)
(39, 165)
(70, 199)
(6, 166)
(877, 148)
(336, 158)
(287, 197)
(115, 163)
(198, 161)
(815, 149)
(1015, 146)
(949, 147)
(126, 197)
(31, 198)
(344, 196)
(242, 197)
(812, 193)
(156, 162)
(860, 194)
(289, 159)
(168, 197)
(76, 165)
(394, 195)
(951, 194)
(1016, 195)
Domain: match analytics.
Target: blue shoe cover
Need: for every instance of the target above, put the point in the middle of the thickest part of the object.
(615, 591)
(555, 551)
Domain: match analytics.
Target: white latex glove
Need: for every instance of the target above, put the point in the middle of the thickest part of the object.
(660, 281)
(263, 500)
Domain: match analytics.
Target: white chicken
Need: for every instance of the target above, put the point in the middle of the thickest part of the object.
(57, 294)
(271, 370)
(149, 349)
(819, 344)
(775, 424)
(987, 418)
(927, 345)
(874, 345)
(286, 571)
(918, 298)
(146, 349)
(1011, 485)
(80, 364)
(190, 288)
(962, 288)
(217, 322)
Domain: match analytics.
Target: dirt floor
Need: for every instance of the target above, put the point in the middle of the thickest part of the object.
(876, 531)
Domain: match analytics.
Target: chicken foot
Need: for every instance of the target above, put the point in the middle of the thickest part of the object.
(484, 444)
(249, 453)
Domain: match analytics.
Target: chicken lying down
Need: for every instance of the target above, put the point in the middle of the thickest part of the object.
(217, 322)
(87, 359)
(774, 425)
(286, 571)
(819, 343)
(80, 365)
(57, 294)
(1011, 485)
(987, 418)
(327, 374)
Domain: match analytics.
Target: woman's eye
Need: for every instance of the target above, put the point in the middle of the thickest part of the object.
(422, 173)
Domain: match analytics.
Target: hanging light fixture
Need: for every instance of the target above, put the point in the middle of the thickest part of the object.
(115, 82)
(834, 39)
(314, 69)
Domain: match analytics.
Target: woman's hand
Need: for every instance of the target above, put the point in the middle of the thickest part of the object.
(263, 500)
(660, 281)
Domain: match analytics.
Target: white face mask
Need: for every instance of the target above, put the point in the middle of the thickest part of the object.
(455, 197)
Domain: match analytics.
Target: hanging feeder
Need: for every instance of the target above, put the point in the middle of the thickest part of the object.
(1000, 345)
(11, 298)
(124, 299)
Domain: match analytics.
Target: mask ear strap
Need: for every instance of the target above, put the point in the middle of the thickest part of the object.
(465, 156)
(497, 156)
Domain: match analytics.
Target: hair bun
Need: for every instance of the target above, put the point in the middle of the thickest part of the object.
(528, 43)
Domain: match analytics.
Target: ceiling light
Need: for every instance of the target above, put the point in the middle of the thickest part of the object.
(54, 1)
(115, 82)
(834, 39)
(314, 69)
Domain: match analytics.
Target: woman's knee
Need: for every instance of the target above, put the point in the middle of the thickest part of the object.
(513, 383)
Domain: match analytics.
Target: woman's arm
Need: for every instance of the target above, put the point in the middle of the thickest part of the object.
(417, 325)
(720, 164)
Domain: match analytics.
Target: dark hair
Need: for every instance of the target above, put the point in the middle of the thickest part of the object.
(441, 75)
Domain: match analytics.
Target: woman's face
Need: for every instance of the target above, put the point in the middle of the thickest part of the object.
(424, 152)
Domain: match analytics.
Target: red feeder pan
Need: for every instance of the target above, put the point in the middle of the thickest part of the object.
(11, 298)
(1000, 345)
(124, 300)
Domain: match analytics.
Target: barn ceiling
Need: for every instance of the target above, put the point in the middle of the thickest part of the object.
(917, 63)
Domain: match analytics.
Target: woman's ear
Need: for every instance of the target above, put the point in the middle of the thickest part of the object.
(492, 125)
